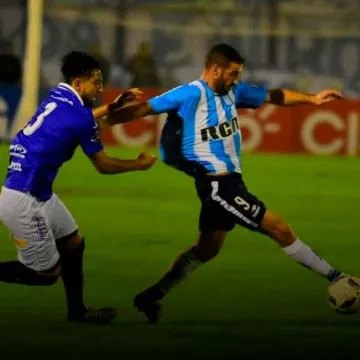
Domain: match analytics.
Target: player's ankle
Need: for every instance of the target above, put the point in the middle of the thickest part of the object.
(155, 293)
(77, 312)
(334, 275)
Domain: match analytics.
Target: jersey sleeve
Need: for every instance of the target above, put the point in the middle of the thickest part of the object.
(249, 95)
(89, 136)
(172, 100)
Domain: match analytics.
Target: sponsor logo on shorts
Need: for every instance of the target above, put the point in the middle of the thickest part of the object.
(41, 227)
(20, 243)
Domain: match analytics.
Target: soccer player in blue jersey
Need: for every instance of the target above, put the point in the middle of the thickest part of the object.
(201, 137)
(47, 236)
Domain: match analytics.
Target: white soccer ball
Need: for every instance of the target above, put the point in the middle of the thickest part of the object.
(344, 295)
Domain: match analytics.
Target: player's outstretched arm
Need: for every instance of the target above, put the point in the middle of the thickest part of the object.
(130, 112)
(171, 100)
(290, 97)
(105, 164)
(100, 113)
(125, 114)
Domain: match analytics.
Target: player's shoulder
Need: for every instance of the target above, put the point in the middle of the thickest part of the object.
(197, 88)
(245, 85)
(71, 111)
(66, 97)
(65, 106)
(240, 85)
(85, 118)
(184, 90)
(190, 91)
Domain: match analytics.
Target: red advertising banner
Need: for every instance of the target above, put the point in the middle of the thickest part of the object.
(330, 129)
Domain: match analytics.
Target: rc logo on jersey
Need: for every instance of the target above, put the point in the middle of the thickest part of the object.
(223, 130)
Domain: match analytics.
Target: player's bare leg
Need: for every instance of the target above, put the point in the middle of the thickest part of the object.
(71, 249)
(279, 230)
(208, 246)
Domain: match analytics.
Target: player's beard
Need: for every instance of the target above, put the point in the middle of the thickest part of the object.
(221, 87)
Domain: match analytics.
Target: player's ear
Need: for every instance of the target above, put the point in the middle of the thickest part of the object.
(76, 84)
(216, 71)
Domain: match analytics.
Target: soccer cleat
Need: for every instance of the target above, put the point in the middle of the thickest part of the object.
(150, 307)
(95, 316)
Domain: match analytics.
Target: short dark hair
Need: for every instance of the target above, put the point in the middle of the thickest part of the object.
(222, 55)
(78, 64)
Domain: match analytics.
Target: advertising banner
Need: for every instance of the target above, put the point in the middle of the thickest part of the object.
(330, 129)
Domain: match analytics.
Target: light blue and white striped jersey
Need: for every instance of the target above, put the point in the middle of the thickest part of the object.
(201, 133)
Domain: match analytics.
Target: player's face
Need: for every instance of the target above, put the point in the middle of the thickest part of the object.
(228, 77)
(90, 88)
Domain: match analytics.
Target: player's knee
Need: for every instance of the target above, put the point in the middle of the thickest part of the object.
(77, 243)
(205, 254)
(50, 280)
(282, 233)
(56, 272)
(209, 245)
(51, 276)
(70, 243)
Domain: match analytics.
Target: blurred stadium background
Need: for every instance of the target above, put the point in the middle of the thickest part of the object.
(158, 44)
(251, 302)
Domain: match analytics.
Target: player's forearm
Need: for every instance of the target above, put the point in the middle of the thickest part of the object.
(107, 110)
(130, 112)
(105, 117)
(100, 115)
(289, 97)
(101, 112)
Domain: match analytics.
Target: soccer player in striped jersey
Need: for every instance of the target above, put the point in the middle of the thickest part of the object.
(201, 137)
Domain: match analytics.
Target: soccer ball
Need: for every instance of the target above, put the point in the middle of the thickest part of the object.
(344, 295)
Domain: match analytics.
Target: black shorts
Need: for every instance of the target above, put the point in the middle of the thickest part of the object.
(226, 202)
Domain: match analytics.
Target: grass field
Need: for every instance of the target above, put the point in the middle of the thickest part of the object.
(252, 302)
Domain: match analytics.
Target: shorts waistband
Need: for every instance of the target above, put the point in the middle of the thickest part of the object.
(213, 177)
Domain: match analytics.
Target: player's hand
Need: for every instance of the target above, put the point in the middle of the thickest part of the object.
(125, 98)
(146, 161)
(327, 95)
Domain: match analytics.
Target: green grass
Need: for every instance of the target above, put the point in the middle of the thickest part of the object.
(252, 302)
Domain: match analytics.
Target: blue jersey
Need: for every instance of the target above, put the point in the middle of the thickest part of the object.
(50, 138)
(201, 133)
